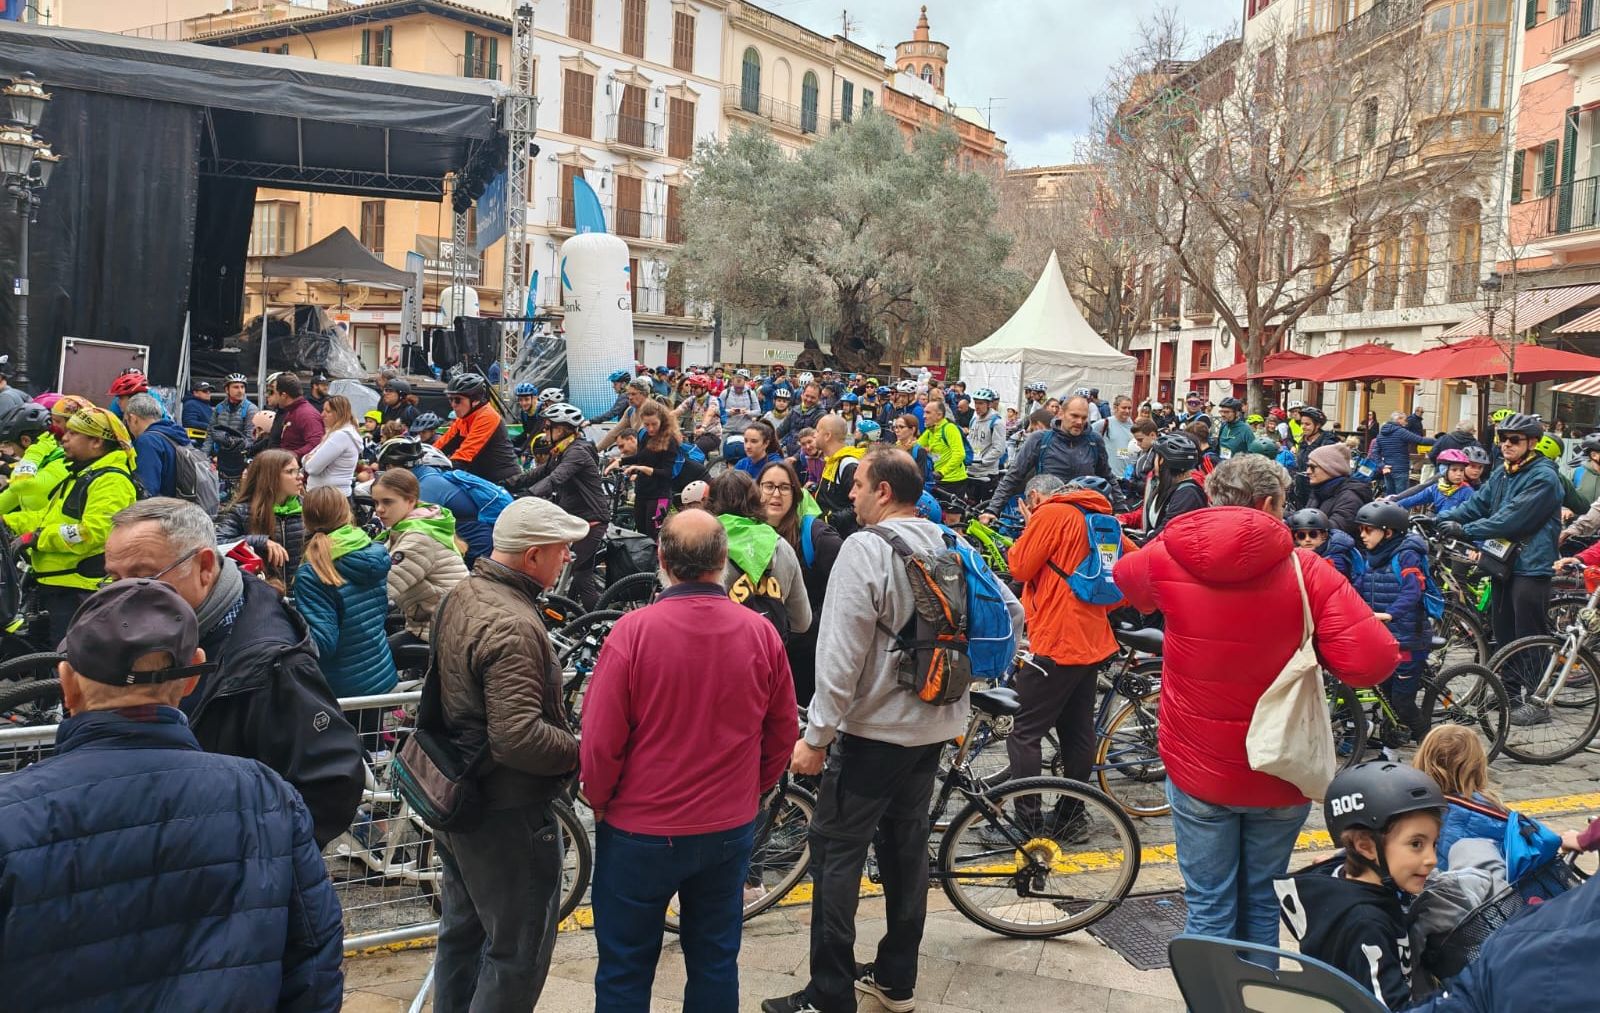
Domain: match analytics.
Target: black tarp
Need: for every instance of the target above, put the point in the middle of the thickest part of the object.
(339, 258)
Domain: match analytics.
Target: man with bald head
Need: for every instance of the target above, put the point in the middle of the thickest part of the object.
(1067, 450)
(839, 461)
(675, 784)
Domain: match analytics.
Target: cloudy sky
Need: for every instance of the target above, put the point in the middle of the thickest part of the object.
(1040, 60)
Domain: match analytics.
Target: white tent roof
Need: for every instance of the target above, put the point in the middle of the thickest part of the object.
(1048, 329)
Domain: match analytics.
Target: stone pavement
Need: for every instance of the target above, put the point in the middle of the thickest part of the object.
(964, 968)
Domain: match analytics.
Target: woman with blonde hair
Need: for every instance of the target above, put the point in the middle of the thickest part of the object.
(333, 462)
(342, 592)
(424, 552)
(265, 512)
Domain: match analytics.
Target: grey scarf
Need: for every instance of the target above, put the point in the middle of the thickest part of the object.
(228, 589)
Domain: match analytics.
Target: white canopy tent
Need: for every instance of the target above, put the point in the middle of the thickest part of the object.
(1048, 340)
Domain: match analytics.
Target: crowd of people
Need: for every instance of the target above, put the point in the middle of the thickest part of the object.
(217, 582)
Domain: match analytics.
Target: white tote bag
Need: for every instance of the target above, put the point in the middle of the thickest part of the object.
(1291, 734)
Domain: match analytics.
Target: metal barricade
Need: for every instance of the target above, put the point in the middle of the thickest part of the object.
(385, 868)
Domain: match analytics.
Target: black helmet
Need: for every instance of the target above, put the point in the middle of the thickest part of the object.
(1370, 795)
(1316, 415)
(1590, 444)
(471, 385)
(398, 386)
(24, 420)
(1476, 454)
(1526, 425)
(1232, 403)
(1385, 515)
(321, 376)
(400, 452)
(1309, 519)
(1177, 450)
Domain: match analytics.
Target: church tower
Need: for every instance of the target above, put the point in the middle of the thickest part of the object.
(922, 57)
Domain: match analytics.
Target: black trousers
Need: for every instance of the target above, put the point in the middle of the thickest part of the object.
(1519, 608)
(61, 603)
(871, 791)
(1061, 697)
(585, 587)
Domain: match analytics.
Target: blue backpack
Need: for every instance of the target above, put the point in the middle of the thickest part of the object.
(991, 638)
(488, 498)
(686, 452)
(1432, 597)
(808, 549)
(1091, 580)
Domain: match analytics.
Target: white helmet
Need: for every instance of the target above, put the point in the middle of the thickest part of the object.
(1036, 387)
(1296, 405)
(906, 387)
(563, 414)
(1082, 392)
(742, 373)
(552, 395)
(805, 378)
(433, 457)
(984, 394)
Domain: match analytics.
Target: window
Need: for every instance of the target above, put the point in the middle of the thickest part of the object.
(481, 58)
(633, 27)
(750, 82)
(1369, 123)
(1386, 278)
(927, 72)
(577, 104)
(847, 101)
(680, 128)
(630, 192)
(569, 215)
(1417, 263)
(683, 42)
(866, 99)
(630, 118)
(372, 226)
(377, 47)
(1465, 250)
(273, 228)
(580, 20)
(808, 103)
(1465, 50)
(674, 214)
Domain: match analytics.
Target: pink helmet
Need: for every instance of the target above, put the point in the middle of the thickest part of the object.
(1452, 457)
(48, 398)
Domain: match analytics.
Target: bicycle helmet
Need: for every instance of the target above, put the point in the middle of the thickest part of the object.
(1476, 455)
(1296, 405)
(1309, 519)
(1157, 406)
(1277, 414)
(427, 422)
(1082, 392)
(563, 414)
(1177, 450)
(805, 378)
(1499, 415)
(1254, 420)
(782, 394)
(743, 374)
(234, 378)
(1590, 444)
(910, 387)
(1314, 415)
(1371, 796)
(985, 394)
(1550, 447)
(433, 457)
(849, 397)
(128, 383)
(1453, 457)
(1035, 387)
(525, 390)
(1093, 483)
(1526, 425)
(868, 429)
(1384, 515)
(398, 386)
(469, 385)
(24, 420)
(620, 376)
(400, 452)
(552, 395)
(1232, 403)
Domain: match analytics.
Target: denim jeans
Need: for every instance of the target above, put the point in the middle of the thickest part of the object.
(1396, 482)
(1229, 856)
(635, 876)
(501, 892)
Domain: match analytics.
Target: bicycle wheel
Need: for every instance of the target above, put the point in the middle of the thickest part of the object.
(1465, 641)
(557, 610)
(631, 592)
(1349, 725)
(577, 647)
(1471, 696)
(577, 859)
(1063, 864)
(781, 857)
(1564, 609)
(1127, 765)
(36, 702)
(24, 667)
(1570, 718)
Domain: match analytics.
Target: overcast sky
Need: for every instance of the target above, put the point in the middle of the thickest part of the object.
(1040, 60)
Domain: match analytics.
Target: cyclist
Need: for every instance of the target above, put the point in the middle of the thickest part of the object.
(397, 403)
(1572, 503)
(66, 537)
(1309, 436)
(700, 415)
(638, 392)
(476, 440)
(197, 409)
(1334, 490)
(1395, 584)
(228, 438)
(424, 553)
(905, 401)
(905, 431)
(619, 383)
(782, 398)
(1349, 912)
(1234, 436)
(760, 448)
(1585, 524)
(803, 416)
(1518, 506)
(1451, 490)
(426, 428)
(1311, 530)
(527, 413)
(550, 396)
(839, 462)
(472, 501)
(741, 405)
(41, 465)
(571, 477)
(1175, 485)
(1067, 450)
(942, 438)
(1033, 395)
(128, 383)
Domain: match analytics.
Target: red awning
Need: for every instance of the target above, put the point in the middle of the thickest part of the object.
(1530, 309)
(1363, 362)
(1277, 366)
(1228, 374)
(1485, 358)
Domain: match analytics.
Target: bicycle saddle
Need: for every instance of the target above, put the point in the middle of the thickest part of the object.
(1143, 641)
(996, 702)
(1437, 643)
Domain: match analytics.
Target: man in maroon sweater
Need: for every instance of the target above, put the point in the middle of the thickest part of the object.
(689, 720)
(302, 424)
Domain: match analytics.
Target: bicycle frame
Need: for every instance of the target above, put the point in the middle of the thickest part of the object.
(1576, 636)
(411, 871)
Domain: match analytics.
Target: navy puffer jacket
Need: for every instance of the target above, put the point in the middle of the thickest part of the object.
(1394, 584)
(347, 622)
(1395, 444)
(139, 873)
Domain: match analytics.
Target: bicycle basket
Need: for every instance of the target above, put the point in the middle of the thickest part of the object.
(1461, 946)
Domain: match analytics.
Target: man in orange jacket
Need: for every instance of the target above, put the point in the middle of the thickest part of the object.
(476, 440)
(1068, 636)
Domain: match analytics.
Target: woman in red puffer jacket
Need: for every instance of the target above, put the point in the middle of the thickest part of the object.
(1223, 580)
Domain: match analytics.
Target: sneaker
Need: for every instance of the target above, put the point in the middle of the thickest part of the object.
(1529, 713)
(797, 1003)
(895, 1000)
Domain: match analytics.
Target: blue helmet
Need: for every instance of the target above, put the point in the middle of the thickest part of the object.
(526, 390)
(617, 376)
(850, 398)
(1093, 483)
(868, 429)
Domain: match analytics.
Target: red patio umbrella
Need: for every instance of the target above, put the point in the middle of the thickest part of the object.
(1484, 358)
(1227, 374)
(1285, 365)
(1364, 362)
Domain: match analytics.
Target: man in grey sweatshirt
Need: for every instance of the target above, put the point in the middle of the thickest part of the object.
(881, 744)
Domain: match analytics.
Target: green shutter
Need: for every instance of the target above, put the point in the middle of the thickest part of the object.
(466, 61)
(366, 48)
(1547, 167)
(1517, 158)
(493, 71)
(1569, 145)
(1532, 19)
(388, 45)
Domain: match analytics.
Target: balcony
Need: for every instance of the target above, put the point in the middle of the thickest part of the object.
(563, 215)
(766, 109)
(1580, 33)
(635, 133)
(478, 67)
(1571, 216)
(675, 233)
(1463, 280)
(1382, 19)
(633, 223)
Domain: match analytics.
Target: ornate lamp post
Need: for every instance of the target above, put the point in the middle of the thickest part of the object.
(26, 165)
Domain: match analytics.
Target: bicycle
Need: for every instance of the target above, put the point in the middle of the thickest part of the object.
(1030, 886)
(1466, 694)
(1555, 676)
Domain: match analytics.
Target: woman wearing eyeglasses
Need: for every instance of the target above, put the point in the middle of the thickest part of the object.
(265, 513)
(816, 544)
(906, 431)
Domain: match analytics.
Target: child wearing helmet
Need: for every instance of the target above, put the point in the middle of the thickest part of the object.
(1449, 491)
(1312, 530)
(1395, 585)
(1349, 912)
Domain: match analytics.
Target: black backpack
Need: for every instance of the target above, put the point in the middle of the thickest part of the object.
(764, 596)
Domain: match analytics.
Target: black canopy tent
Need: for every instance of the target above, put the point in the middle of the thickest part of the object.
(149, 216)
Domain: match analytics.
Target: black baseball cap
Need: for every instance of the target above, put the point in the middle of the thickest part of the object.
(125, 621)
(204, 385)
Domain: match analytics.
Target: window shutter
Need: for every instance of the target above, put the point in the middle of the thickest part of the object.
(1568, 163)
(683, 41)
(1561, 7)
(388, 45)
(366, 48)
(492, 71)
(1531, 20)
(1517, 158)
(1547, 167)
(466, 60)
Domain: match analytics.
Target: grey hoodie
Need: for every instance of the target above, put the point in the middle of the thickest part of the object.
(869, 596)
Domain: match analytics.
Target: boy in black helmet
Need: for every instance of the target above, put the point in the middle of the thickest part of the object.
(1350, 913)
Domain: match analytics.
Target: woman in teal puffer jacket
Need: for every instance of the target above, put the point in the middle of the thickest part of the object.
(341, 590)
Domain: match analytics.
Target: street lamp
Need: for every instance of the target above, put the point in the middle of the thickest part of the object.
(26, 165)
(1490, 286)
